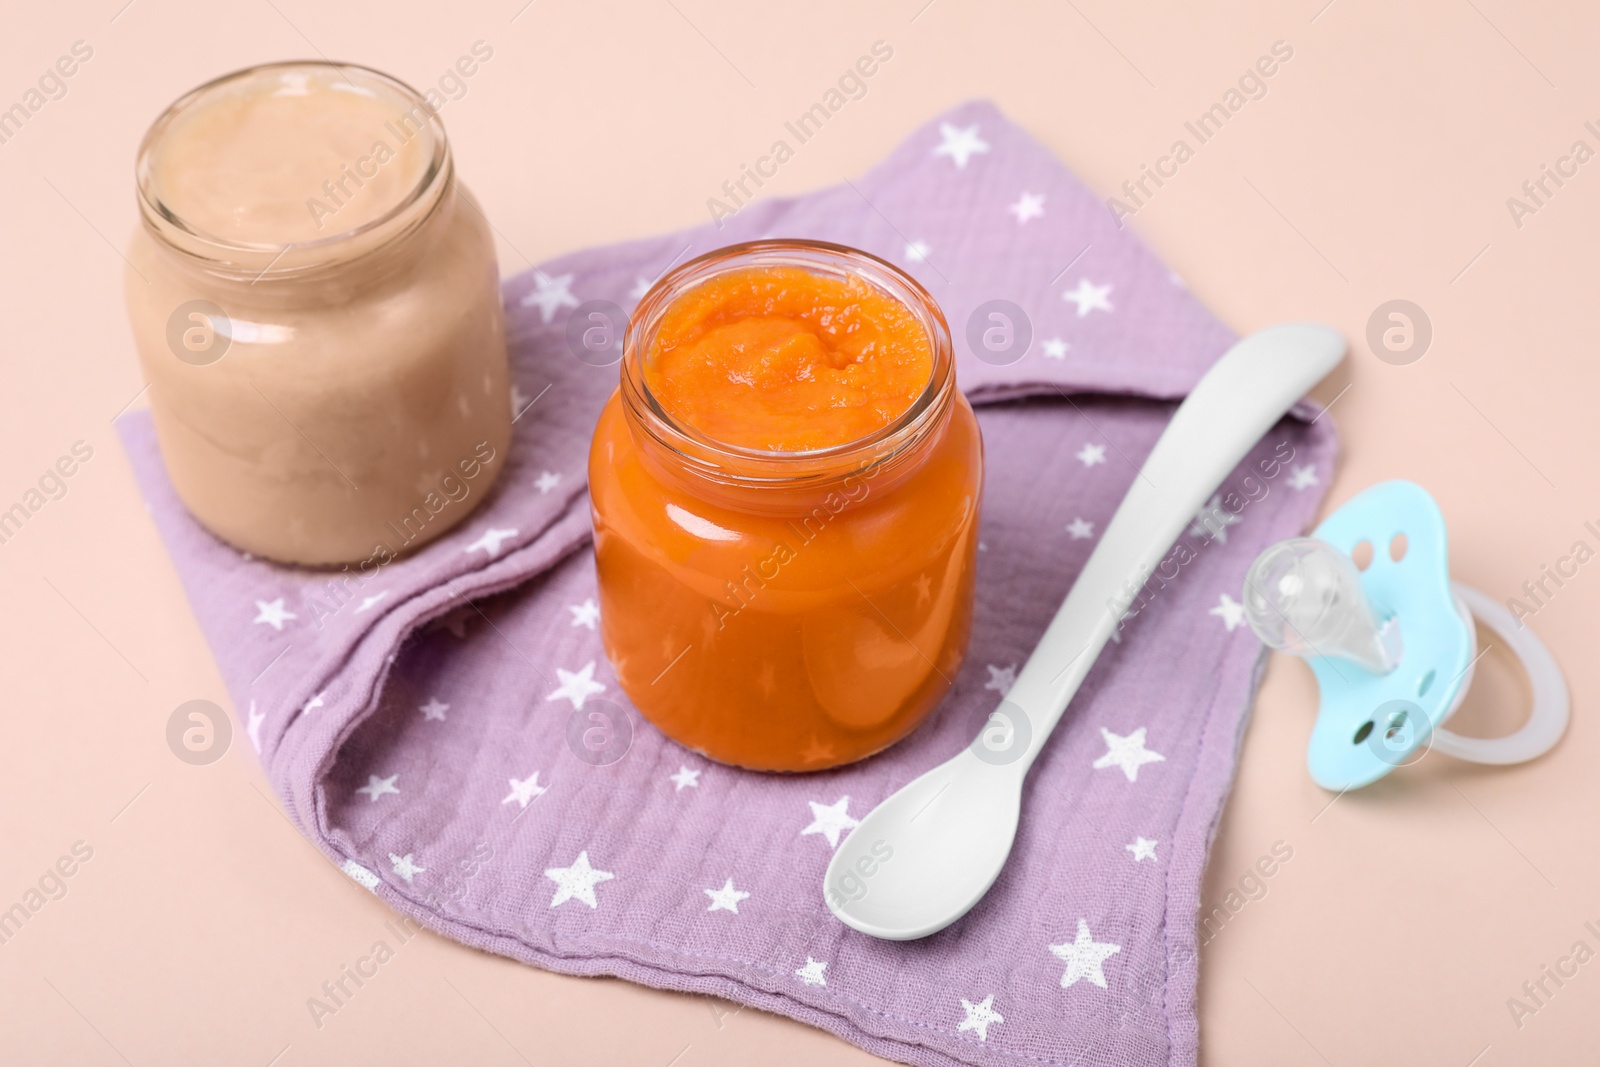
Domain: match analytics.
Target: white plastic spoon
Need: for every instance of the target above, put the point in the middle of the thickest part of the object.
(921, 859)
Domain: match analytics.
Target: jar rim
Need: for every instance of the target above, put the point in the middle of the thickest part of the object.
(731, 464)
(226, 255)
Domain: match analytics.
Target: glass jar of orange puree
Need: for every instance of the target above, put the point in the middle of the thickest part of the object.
(786, 490)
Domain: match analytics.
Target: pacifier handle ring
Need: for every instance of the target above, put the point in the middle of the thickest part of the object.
(1551, 704)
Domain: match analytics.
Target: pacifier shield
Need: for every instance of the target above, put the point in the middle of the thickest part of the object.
(1407, 580)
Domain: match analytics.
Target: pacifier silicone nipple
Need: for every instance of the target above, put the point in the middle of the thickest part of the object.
(1304, 596)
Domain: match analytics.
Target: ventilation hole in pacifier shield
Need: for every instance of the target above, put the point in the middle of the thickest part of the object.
(1397, 547)
(1361, 555)
(1425, 684)
(1397, 724)
(1362, 733)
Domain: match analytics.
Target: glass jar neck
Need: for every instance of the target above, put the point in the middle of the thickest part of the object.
(378, 245)
(778, 482)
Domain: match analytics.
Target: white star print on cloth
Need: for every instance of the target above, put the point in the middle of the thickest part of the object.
(960, 144)
(491, 541)
(1302, 478)
(1127, 752)
(641, 286)
(273, 613)
(1143, 849)
(1080, 529)
(1001, 679)
(547, 481)
(315, 702)
(980, 1017)
(405, 866)
(917, 252)
(1055, 348)
(524, 790)
(1089, 297)
(360, 875)
(1213, 521)
(550, 294)
(1089, 455)
(830, 820)
(585, 614)
(685, 778)
(577, 882)
(1230, 611)
(433, 710)
(577, 686)
(811, 973)
(368, 602)
(727, 898)
(1028, 206)
(377, 787)
(253, 726)
(1083, 957)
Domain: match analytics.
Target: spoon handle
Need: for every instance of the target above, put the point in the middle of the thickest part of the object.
(1237, 401)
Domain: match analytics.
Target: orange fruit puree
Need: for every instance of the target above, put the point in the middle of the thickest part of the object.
(774, 623)
(782, 359)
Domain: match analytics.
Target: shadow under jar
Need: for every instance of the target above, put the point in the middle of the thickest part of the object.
(785, 492)
(316, 305)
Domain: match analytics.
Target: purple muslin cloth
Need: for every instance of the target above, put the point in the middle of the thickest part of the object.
(417, 731)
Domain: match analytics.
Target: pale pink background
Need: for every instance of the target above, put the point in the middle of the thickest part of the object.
(1377, 167)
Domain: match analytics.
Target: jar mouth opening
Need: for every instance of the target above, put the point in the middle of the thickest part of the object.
(736, 464)
(228, 254)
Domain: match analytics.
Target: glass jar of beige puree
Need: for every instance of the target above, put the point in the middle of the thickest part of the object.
(317, 310)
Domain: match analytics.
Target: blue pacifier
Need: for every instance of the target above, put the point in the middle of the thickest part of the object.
(1391, 641)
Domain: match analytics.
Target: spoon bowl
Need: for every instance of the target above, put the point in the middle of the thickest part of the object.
(951, 828)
